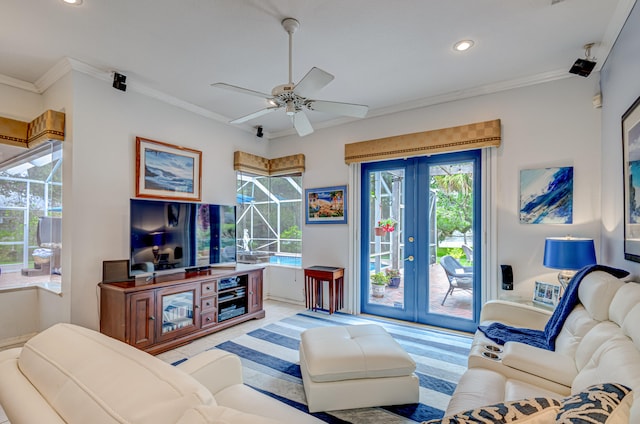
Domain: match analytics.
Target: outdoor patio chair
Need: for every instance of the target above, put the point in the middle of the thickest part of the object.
(459, 277)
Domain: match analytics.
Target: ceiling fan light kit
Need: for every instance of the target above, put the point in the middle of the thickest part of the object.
(294, 98)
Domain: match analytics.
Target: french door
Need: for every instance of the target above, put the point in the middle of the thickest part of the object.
(420, 251)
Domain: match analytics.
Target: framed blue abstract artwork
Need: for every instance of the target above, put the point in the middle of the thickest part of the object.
(631, 165)
(546, 195)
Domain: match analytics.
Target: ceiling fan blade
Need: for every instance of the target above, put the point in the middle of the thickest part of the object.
(301, 124)
(314, 81)
(237, 89)
(337, 108)
(253, 115)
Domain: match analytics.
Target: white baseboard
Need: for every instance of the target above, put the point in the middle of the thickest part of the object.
(284, 299)
(15, 341)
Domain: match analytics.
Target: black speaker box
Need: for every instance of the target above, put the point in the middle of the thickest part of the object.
(507, 277)
(115, 270)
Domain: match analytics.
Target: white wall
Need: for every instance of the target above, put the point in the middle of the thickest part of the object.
(620, 88)
(106, 123)
(551, 124)
(53, 307)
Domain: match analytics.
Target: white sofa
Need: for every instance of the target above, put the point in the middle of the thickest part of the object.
(599, 343)
(69, 374)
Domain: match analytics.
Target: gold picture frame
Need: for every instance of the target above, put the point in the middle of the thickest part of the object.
(166, 171)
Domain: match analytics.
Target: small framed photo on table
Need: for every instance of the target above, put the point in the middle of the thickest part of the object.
(547, 294)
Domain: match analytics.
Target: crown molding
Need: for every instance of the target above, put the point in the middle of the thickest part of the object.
(50, 77)
(147, 91)
(443, 98)
(14, 82)
(67, 64)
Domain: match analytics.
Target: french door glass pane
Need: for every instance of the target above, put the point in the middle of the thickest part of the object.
(386, 232)
(451, 239)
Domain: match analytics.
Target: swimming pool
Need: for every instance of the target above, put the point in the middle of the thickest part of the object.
(286, 260)
(297, 261)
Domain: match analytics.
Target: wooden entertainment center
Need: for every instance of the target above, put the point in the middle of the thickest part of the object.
(173, 309)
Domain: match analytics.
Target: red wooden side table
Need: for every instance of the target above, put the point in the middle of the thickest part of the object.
(314, 288)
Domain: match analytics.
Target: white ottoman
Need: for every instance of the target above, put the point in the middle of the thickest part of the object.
(355, 366)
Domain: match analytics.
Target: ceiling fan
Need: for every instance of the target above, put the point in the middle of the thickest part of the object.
(294, 98)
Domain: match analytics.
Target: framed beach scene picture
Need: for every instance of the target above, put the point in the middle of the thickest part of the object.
(165, 171)
(326, 205)
(546, 195)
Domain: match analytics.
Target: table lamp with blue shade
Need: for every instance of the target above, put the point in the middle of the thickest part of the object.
(568, 254)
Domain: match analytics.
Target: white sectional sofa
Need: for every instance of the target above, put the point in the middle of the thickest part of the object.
(69, 374)
(598, 343)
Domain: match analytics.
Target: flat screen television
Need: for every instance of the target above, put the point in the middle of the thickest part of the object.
(170, 235)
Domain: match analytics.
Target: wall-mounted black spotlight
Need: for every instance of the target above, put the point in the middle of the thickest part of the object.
(259, 132)
(583, 67)
(119, 81)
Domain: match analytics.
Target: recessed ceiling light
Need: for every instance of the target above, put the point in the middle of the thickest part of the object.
(463, 45)
(73, 2)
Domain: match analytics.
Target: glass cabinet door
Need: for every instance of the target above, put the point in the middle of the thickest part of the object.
(177, 312)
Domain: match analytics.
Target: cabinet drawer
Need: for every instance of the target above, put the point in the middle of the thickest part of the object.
(207, 303)
(209, 288)
(208, 318)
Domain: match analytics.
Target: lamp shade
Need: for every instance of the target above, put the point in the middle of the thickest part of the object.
(568, 253)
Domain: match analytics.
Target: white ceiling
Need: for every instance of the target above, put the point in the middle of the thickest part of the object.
(390, 55)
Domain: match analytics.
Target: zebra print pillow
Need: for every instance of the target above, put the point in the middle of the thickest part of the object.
(530, 411)
(603, 403)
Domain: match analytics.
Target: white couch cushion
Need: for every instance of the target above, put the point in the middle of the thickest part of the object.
(630, 326)
(207, 414)
(625, 299)
(607, 355)
(88, 377)
(596, 292)
(578, 323)
(478, 387)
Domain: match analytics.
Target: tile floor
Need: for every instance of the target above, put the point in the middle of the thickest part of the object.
(275, 311)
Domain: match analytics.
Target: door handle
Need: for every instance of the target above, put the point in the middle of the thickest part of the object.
(409, 258)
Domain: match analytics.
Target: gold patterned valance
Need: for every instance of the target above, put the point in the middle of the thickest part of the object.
(464, 137)
(48, 126)
(246, 162)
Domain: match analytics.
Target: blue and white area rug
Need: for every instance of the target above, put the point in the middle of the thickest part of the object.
(270, 360)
